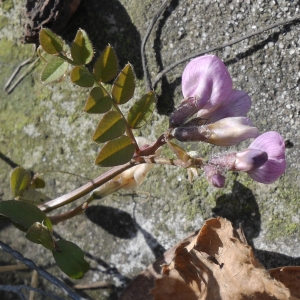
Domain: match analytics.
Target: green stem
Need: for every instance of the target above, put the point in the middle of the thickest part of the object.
(70, 61)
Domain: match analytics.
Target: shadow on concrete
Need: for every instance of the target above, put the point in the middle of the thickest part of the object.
(165, 101)
(107, 22)
(115, 221)
(240, 208)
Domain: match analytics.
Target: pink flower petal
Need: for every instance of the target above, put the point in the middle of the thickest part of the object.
(236, 105)
(272, 143)
(207, 79)
(270, 171)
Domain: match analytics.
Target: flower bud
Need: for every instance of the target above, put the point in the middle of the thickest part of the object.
(214, 176)
(192, 133)
(231, 131)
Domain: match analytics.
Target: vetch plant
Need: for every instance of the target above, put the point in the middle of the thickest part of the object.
(211, 112)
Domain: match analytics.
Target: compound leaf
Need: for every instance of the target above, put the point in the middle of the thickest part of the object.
(111, 126)
(82, 77)
(106, 66)
(70, 259)
(124, 85)
(142, 111)
(116, 152)
(82, 49)
(98, 101)
(50, 42)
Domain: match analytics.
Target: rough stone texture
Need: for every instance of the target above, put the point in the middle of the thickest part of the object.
(43, 128)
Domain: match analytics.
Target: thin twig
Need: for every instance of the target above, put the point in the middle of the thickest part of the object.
(143, 46)
(17, 255)
(17, 289)
(93, 285)
(218, 47)
(69, 214)
(18, 267)
(34, 284)
(9, 86)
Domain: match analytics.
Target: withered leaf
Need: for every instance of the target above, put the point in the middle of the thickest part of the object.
(217, 265)
(290, 277)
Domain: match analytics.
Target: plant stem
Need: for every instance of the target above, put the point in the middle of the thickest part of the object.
(105, 177)
(143, 46)
(65, 58)
(87, 188)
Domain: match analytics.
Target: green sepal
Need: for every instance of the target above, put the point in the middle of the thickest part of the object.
(82, 77)
(82, 49)
(141, 111)
(111, 126)
(98, 102)
(54, 70)
(50, 42)
(179, 152)
(106, 66)
(124, 85)
(116, 152)
(70, 259)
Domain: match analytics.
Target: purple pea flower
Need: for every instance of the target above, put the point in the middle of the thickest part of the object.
(273, 144)
(263, 160)
(205, 82)
(207, 91)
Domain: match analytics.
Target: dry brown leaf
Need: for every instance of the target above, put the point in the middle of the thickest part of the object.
(290, 277)
(217, 265)
(139, 288)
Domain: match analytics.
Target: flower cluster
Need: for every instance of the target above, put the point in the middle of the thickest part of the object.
(221, 120)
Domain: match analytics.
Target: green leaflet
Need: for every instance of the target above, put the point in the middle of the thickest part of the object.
(82, 77)
(40, 234)
(111, 126)
(98, 101)
(82, 49)
(23, 213)
(50, 42)
(70, 259)
(116, 152)
(141, 111)
(106, 66)
(19, 180)
(124, 85)
(54, 70)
